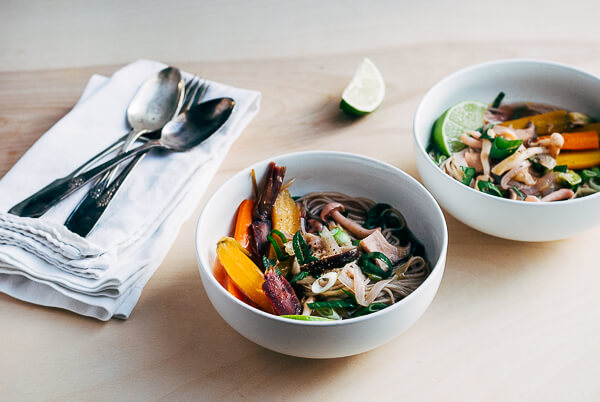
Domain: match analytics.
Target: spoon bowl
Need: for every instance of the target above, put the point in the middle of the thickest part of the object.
(196, 125)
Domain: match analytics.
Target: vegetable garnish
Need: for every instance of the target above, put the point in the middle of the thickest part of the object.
(242, 271)
(372, 308)
(582, 140)
(496, 103)
(489, 188)
(281, 256)
(503, 148)
(299, 277)
(332, 304)
(570, 177)
(368, 265)
(280, 235)
(384, 217)
(587, 174)
(243, 222)
(328, 313)
(342, 238)
(305, 317)
(560, 168)
(519, 193)
(468, 174)
(301, 249)
(267, 262)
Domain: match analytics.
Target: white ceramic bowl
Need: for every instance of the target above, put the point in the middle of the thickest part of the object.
(521, 80)
(326, 171)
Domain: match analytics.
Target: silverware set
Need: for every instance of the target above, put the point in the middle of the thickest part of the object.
(164, 113)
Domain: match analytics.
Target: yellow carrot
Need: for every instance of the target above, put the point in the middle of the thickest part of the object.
(242, 271)
(579, 160)
(545, 123)
(285, 214)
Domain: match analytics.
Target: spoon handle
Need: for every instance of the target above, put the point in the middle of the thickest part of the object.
(40, 202)
(83, 219)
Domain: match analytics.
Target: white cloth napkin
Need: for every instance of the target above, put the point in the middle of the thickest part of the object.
(102, 276)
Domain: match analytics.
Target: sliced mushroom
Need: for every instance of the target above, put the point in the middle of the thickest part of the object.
(334, 210)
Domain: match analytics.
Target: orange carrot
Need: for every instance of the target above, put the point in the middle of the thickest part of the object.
(221, 274)
(242, 271)
(243, 222)
(582, 140)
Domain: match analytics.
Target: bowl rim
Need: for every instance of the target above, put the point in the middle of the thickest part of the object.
(439, 266)
(421, 147)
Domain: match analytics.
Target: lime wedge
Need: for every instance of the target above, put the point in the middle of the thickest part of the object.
(467, 115)
(365, 92)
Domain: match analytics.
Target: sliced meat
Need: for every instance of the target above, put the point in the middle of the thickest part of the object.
(260, 244)
(377, 242)
(281, 294)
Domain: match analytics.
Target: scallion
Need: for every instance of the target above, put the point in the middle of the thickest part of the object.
(280, 235)
(280, 254)
(342, 238)
(305, 317)
(345, 303)
(368, 265)
(372, 308)
(496, 103)
(560, 168)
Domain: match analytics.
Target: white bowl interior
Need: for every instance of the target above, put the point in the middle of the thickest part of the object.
(521, 80)
(321, 171)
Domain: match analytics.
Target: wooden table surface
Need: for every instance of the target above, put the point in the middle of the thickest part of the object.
(511, 321)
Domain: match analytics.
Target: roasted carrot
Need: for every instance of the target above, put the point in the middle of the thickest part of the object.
(243, 222)
(220, 274)
(546, 123)
(242, 271)
(579, 160)
(582, 140)
(235, 291)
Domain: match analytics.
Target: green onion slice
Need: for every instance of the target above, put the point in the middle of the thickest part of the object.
(305, 317)
(498, 100)
(281, 256)
(332, 304)
(560, 168)
(368, 265)
(280, 235)
(372, 308)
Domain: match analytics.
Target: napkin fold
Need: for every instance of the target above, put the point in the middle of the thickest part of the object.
(103, 275)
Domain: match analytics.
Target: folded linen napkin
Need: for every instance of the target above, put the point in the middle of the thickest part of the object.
(102, 275)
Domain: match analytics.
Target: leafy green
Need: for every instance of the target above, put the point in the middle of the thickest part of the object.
(301, 250)
(281, 256)
(299, 277)
(519, 193)
(489, 188)
(468, 174)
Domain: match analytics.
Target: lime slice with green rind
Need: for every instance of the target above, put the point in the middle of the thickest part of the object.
(365, 92)
(467, 115)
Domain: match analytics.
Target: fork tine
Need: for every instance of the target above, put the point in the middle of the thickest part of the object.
(191, 91)
(201, 92)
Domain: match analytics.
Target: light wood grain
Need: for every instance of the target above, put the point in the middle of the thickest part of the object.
(511, 321)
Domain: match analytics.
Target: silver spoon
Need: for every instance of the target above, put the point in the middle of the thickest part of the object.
(180, 134)
(153, 105)
(89, 211)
